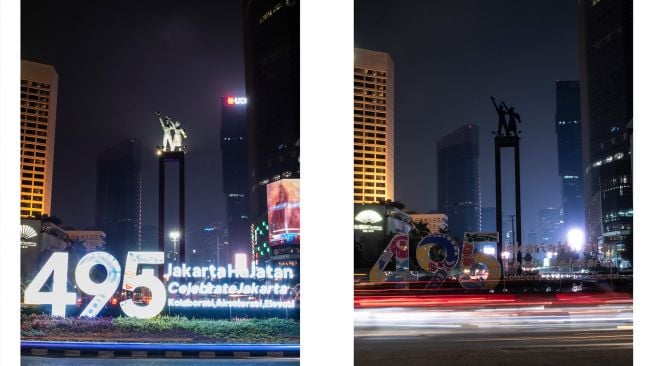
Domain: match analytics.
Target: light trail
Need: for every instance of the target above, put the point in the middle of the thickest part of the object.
(406, 321)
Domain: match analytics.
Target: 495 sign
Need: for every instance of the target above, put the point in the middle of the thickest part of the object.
(200, 287)
(439, 269)
(59, 297)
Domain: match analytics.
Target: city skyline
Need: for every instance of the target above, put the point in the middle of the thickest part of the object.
(444, 79)
(140, 66)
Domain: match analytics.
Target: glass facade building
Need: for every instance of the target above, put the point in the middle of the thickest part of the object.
(233, 143)
(118, 197)
(459, 187)
(606, 65)
(272, 85)
(570, 156)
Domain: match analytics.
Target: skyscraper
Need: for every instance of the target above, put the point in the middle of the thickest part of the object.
(233, 142)
(459, 187)
(570, 157)
(373, 126)
(272, 86)
(489, 219)
(118, 197)
(549, 225)
(606, 65)
(38, 115)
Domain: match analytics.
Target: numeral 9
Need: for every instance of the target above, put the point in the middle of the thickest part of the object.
(103, 291)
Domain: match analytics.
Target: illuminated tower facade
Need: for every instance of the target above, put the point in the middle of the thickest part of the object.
(38, 114)
(373, 126)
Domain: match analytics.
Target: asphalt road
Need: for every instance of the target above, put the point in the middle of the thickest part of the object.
(584, 335)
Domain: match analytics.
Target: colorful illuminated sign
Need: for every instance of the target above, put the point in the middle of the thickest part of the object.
(283, 212)
(439, 268)
(236, 100)
(233, 286)
(237, 286)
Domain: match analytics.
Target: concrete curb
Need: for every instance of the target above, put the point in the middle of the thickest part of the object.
(157, 350)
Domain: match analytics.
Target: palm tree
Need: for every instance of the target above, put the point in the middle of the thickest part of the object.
(390, 203)
(419, 231)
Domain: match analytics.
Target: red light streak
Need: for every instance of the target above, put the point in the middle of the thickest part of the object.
(378, 301)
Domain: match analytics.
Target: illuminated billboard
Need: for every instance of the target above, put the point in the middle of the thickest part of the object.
(283, 212)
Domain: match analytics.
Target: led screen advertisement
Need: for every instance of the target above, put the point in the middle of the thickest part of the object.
(283, 212)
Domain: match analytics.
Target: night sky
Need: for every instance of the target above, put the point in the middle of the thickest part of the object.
(118, 63)
(450, 57)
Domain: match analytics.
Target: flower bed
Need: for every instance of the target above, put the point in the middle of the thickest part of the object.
(160, 329)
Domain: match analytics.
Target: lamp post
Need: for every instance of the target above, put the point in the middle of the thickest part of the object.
(505, 255)
(174, 236)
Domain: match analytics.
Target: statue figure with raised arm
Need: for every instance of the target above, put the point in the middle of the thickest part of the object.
(167, 126)
(501, 111)
(513, 118)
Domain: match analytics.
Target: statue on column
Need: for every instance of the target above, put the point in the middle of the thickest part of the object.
(173, 133)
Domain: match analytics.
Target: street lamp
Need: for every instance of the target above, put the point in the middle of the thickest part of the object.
(174, 236)
(575, 239)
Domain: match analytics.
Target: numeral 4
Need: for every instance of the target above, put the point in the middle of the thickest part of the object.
(58, 297)
(398, 247)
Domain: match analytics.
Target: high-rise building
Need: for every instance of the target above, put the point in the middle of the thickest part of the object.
(606, 68)
(570, 156)
(118, 197)
(373, 126)
(38, 115)
(459, 187)
(549, 225)
(489, 219)
(272, 85)
(233, 142)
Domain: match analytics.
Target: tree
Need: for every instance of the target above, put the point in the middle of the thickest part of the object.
(390, 203)
(419, 231)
